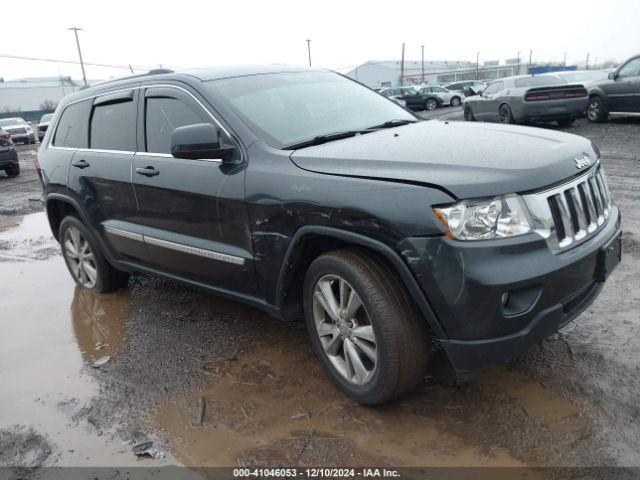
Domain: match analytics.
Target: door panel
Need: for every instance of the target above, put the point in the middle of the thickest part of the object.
(193, 212)
(100, 176)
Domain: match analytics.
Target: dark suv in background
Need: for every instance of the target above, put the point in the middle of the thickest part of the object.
(8, 155)
(618, 95)
(307, 195)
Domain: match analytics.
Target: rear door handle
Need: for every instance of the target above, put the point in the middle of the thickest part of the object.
(147, 171)
(82, 163)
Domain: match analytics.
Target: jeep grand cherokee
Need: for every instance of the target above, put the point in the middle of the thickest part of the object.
(307, 195)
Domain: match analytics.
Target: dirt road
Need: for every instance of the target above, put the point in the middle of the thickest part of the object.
(217, 383)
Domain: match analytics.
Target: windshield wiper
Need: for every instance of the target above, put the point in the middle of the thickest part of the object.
(329, 137)
(392, 123)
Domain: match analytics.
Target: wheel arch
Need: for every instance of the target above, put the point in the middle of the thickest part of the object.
(311, 241)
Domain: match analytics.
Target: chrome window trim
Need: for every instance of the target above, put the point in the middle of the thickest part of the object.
(178, 247)
(140, 87)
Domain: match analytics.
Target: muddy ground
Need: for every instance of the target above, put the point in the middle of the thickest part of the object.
(213, 382)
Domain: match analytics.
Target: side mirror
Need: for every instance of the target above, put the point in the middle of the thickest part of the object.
(199, 141)
(612, 75)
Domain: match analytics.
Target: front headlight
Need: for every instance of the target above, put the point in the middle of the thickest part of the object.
(485, 219)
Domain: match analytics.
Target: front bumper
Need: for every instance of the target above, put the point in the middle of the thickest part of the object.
(465, 282)
(22, 137)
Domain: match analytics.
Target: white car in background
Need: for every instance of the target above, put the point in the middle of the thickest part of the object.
(447, 97)
(43, 125)
(19, 130)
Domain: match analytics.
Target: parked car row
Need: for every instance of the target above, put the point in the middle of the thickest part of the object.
(21, 131)
(559, 96)
(8, 155)
(425, 98)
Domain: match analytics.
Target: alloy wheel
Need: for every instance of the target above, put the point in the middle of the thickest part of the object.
(593, 111)
(504, 115)
(80, 257)
(431, 104)
(345, 331)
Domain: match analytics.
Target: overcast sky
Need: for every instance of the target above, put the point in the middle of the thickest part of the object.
(344, 33)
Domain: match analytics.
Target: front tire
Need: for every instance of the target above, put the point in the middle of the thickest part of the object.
(455, 101)
(86, 263)
(468, 114)
(364, 329)
(596, 110)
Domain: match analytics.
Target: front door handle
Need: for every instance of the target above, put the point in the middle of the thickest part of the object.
(82, 163)
(147, 171)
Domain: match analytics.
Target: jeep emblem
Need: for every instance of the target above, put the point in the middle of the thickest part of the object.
(582, 162)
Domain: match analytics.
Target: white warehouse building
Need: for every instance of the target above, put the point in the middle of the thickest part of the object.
(387, 73)
(31, 97)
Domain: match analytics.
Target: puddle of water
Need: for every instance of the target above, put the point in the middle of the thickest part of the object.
(48, 332)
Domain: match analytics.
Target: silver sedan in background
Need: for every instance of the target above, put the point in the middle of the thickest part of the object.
(528, 99)
(447, 97)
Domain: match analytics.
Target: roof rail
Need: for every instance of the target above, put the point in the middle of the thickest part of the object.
(155, 71)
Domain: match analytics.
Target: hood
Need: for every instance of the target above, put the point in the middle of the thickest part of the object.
(465, 159)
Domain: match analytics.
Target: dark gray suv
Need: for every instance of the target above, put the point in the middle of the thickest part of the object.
(311, 197)
(618, 95)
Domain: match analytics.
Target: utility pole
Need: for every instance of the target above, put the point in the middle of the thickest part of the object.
(565, 59)
(586, 64)
(422, 47)
(477, 65)
(84, 75)
(309, 50)
(402, 67)
(530, 57)
(518, 72)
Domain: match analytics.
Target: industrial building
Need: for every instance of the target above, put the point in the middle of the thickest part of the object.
(30, 98)
(378, 74)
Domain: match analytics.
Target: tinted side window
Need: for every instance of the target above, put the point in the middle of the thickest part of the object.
(495, 87)
(113, 126)
(73, 126)
(631, 69)
(163, 116)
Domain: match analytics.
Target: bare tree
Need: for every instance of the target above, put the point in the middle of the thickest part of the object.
(48, 106)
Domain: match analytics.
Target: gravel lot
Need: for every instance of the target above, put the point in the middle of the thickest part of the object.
(217, 383)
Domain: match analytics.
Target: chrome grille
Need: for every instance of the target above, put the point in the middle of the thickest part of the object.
(571, 213)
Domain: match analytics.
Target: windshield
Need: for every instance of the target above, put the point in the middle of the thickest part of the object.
(47, 117)
(7, 122)
(287, 108)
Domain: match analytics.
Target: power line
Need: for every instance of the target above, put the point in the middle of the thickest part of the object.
(74, 62)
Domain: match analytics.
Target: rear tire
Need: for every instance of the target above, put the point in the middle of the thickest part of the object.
(13, 171)
(455, 101)
(88, 266)
(430, 104)
(596, 110)
(505, 114)
(396, 336)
